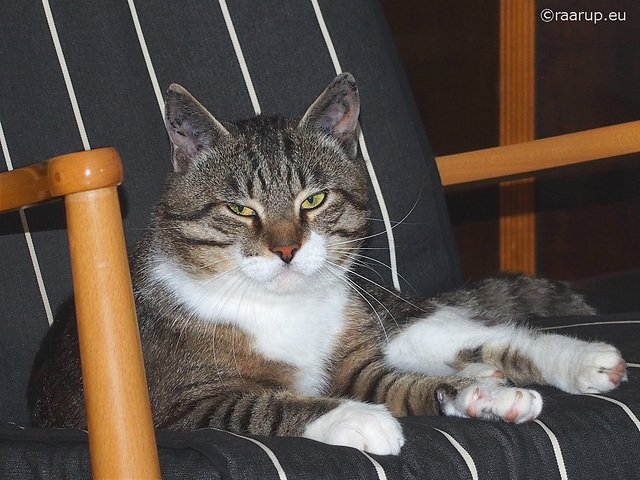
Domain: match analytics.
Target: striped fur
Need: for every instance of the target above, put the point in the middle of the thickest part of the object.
(253, 320)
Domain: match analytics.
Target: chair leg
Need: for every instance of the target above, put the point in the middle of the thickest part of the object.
(121, 433)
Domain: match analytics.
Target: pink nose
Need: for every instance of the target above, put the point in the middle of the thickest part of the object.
(286, 252)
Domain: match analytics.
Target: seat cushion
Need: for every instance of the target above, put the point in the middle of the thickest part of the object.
(576, 436)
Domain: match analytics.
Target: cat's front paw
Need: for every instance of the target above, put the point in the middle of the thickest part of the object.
(367, 427)
(601, 369)
(489, 399)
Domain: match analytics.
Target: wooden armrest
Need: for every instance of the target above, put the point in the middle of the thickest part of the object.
(120, 426)
(59, 176)
(500, 162)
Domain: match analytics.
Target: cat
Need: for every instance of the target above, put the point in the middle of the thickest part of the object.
(252, 321)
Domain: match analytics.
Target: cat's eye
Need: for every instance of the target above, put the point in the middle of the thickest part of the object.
(313, 201)
(242, 210)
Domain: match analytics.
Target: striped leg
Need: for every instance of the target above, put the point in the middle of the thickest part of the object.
(450, 342)
(417, 394)
(367, 377)
(285, 413)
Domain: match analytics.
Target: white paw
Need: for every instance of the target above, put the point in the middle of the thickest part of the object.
(364, 426)
(600, 368)
(488, 399)
(480, 370)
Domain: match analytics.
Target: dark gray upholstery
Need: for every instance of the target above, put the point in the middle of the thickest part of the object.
(289, 63)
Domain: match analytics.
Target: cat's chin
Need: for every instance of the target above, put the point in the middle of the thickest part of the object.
(287, 281)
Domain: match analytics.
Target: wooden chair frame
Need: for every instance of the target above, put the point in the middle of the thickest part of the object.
(499, 163)
(121, 434)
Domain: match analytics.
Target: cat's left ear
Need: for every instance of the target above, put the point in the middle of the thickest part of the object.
(335, 112)
(190, 126)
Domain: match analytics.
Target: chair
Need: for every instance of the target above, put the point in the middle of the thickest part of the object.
(100, 72)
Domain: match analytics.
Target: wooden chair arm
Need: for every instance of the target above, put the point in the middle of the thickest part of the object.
(500, 162)
(120, 426)
(59, 176)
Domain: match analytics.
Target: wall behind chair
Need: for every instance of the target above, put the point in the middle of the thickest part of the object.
(588, 75)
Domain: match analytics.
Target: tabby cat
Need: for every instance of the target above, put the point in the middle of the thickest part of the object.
(252, 321)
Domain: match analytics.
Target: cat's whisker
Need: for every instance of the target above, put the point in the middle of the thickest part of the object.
(395, 294)
(357, 240)
(360, 291)
(193, 316)
(347, 249)
(236, 283)
(219, 276)
(383, 232)
(242, 287)
(357, 260)
(394, 222)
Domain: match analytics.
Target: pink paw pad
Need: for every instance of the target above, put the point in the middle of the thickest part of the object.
(617, 373)
(494, 401)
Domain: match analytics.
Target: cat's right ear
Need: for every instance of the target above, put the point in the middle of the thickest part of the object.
(335, 112)
(190, 126)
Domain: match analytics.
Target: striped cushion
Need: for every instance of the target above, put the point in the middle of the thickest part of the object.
(86, 74)
(577, 436)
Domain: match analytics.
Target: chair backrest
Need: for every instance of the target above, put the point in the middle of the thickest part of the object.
(79, 75)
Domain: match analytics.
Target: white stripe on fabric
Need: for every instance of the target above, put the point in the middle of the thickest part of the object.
(27, 237)
(466, 456)
(327, 38)
(65, 74)
(555, 444)
(147, 57)
(393, 263)
(589, 324)
(634, 365)
(272, 456)
(626, 409)
(382, 475)
(243, 64)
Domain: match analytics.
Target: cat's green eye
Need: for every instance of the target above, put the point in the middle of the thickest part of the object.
(242, 210)
(313, 201)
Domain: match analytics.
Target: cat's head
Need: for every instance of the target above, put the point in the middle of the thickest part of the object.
(277, 202)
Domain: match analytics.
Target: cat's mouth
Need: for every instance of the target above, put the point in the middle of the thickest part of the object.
(276, 275)
(287, 279)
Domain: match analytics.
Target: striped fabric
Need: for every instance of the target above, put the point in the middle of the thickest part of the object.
(90, 75)
(77, 75)
(576, 437)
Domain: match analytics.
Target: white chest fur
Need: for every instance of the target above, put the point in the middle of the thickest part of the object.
(293, 327)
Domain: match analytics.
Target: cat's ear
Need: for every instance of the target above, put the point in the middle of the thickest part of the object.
(190, 126)
(335, 112)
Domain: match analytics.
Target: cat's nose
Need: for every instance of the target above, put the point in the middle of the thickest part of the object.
(286, 252)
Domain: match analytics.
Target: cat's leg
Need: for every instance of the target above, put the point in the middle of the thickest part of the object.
(263, 411)
(530, 356)
(361, 373)
(450, 340)
(446, 342)
(573, 365)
